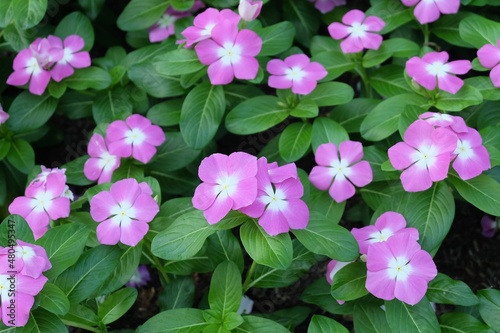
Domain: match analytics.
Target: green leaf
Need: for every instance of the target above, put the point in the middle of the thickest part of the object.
(179, 182)
(276, 38)
(256, 115)
(319, 293)
(349, 282)
(305, 109)
(397, 47)
(325, 130)
(295, 141)
(57, 89)
(447, 28)
(18, 38)
(351, 115)
(335, 62)
(29, 112)
(466, 96)
(75, 105)
(369, 318)
(15, 227)
(177, 320)
(419, 318)
(272, 251)
(224, 246)
(485, 86)
(322, 324)
(41, 321)
(322, 202)
(141, 14)
(323, 237)
(389, 81)
(445, 290)
(331, 93)
(79, 314)
(201, 114)
(111, 105)
(116, 304)
(166, 113)
(74, 171)
(481, 191)
(456, 322)
(174, 154)
(225, 289)
(91, 7)
(178, 294)
(52, 299)
(28, 13)
(4, 148)
(169, 211)
(478, 31)
(76, 24)
(21, 155)
(177, 62)
(5, 13)
(182, 5)
(489, 305)
(393, 13)
(145, 77)
(304, 18)
(252, 324)
(90, 77)
(321, 44)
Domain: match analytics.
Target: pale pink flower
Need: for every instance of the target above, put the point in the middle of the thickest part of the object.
(278, 205)
(230, 53)
(136, 137)
(140, 278)
(489, 57)
(387, 225)
(333, 267)
(41, 178)
(229, 183)
(357, 31)
(296, 72)
(204, 23)
(249, 9)
(72, 58)
(399, 268)
(424, 155)
(453, 123)
(339, 173)
(101, 164)
(490, 226)
(42, 204)
(433, 69)
(29, 260)
(123, 212)
(3, 116)
(472, 158)
(428, 11)
(325, 6)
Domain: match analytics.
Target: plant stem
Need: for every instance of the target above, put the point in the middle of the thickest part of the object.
(248, 279)
(82, 326)
(366, 81)
(425, 30)
(154, 260)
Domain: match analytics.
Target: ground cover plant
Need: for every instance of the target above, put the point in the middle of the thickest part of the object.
(179, 158)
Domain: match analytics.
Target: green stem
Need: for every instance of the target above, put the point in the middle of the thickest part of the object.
(425, 30)
(366, 81)
(248, 279)
(154, 260)
(82, 326)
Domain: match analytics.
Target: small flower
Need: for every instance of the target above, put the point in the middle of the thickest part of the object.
(399, 268)
(3, 116)
(357, 31)
(296, 72)
(140, 278)
(101, 164)
(489, 57)
(72, 57)
(230, 53)
(453, 123)
(123, 212)
(29, 260)
(135, 137)
(489, 226)
(424, 155)
(249, 9)
(41, 178)
(433, 69)
(472, 158)
(428, 11)
(325, 6)
(339, 173)
(229, 183)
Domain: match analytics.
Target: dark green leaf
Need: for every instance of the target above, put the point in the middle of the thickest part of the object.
(295, 141)
(177, 320)
(76, 24)
(177, 62)
(116, 304)
(349, 282)
(322, 324)
(21, 155)
(141, 14)
(445, 290)
(276, 38)
(52, 299)
(29, 112)
(90, 77)
(419, 318)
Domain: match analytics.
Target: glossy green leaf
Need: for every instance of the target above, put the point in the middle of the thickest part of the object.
(178, 294)
(351, 115)
(489, 305)
(389, 81)
(15, 227)
(79, 24)
(166, 113)
(445, 290)
(303, 17)
(29, 112)
(258, 324)
(173, 154)
(295, 141)
(177, 320)
(322, 324)
(447, 28)
(145, 76)
(331, 93)
(21, 155)
(276, 38)
(53, 299)
(325, 130)
(141, 14)
(478, 31)
(28, 13)
(349, 282)
(116, 304)
(419, 318)
(111, 105)
(225, 291)
(393, 13)
(456, 322)
(90, 77)
(41, 321)
(177, 62)
(369, 318)
(335, 62)
(481, 191)
(466, 96)
(397, 47)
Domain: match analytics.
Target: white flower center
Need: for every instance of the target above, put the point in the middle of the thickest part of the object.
(464, 150)
(166, 21)
(295, 74)
(274, 199)
(357, 29)
(42, 201)
(340, 169)
(24, 252)
(380, 236)
(106, 160)
(135, 137)
(226, 185)
(399, 268)
(230, 54)
(124, 212)
(425, 157)
(207, 31)
(437, 68)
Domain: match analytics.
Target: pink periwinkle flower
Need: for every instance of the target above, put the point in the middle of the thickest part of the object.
(249, 9)
(489, 226)
(40, 204)
(424, 155)
(101, 164)
(472, 158)
(428, 11)
(136, 137)
(433, 69)
(165, 27)
(399, 268)
(28, 259)
(123, 212)
(325, 6)
(41, 178)
(357, 31)
(229, 183)
(3, 116)
(333, 267)
(454, 123)
(489, 57)
(230, 53)
(73, 56)
(339, 173)
(387, 225)
(278, 204)
(140, 278)
(296, 72)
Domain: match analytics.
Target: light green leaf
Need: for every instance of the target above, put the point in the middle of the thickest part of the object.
(369, 318)
(141, 14)
(111, 105)
(175, 321)
(325, 130)
(389, 81)
(478, 31)
(393, 13)
(485, 86)
(322, 324)
(397, 47)
(15, 227)
(351, 115)
(276, 38)
(166, 113)
(349, 282)
(253, 324)
(456, 322)
(177, 62)
(331, 93)
(295, 141)
(489, 305)
(28, 13)
(145, 76)
(335, 62)
(419, 318)
(52, 299)
(225, 291)
(116, 304)
(447, 28)
(41, 321)
(481, 191)
(90, 77)
(466, 96)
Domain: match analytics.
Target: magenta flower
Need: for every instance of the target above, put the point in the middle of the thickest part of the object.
(296, 72)
(433, 69)
(42, 204)
(399, 268)
(101, 164)
(72, 57)
(229, 182)
(489, 57)
(29, 260)
(357, 31)
(428, 11)
(135, 137)
(123, 212)
(424, 155)
(453, 123)
(3, 116)
(325, 6)
(204, 23)
(472, 158)
(489, 226)
(140, 278)
(278, 205)
(387, 225)
(249, 9)
(230, 53)
(339, 173)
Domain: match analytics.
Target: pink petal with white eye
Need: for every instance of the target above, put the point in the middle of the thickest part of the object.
(304, 86)
(246, 69)
(341, 189)
(351, 151)
(279, 82)
(380, 284)
(401, 155)
(154, 135)
(297, 60)
(448, 7)
(61, 71)
(409, 3)
(18, 78)
(297, 214)
(245, 193)
(220, 73)
(107, 172)
(219, 209)
(419, 133)
(24, 303)
(116, 131)
(204, 196)
(133, 233)
(80, 60)
(321, 177)
(363, 237)
(326, 154)
(450, 83)
(495, 76)
(146, 208)
(224, 32)
(415, 179)
(459, 66)
(489, 55)
(250, 43)
(96, 145)
(351, 45)
(120, 148)
(143, 152)
(212, 168)
(194, 35)
(125, 191)
(242, 165)
(22, 59)
(228, 14)
(392, 221)
(423, 265)
(55, 184)
(256, 209)
(379, 255)
(292, 188)
(274, 222)
(402, 245)
(416, 69)
(427, 12)
(431, 57)
(439, 169)
(371, 41)
(353, 16)
(109, 231)
(444, 140)
(374, 23)
(137, 121)
(279, 174)
(74, 43)
(28, 285)
(55, 41)
(39, 82)
(361, 174)
(21, 206)
(411, 291)
(101, 206)
(315, 71)
(277, 67)
(158, 34)
(59, 208)
(338, 31)
(208, 17)
(468, 168)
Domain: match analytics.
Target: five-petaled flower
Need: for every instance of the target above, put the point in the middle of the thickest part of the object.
(102, 163)
(428, 11)
(472, 158)
(72, 57)
(339, 173)
(357, 31)
(29, 260)
(489, 57)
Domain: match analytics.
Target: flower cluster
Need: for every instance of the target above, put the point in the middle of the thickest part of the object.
(430, 144)
(135, 137)
(48, 58)
(427, 11)
(325, 6)
(489, 57)
(21, 278)
(256, 188)
(46, 198)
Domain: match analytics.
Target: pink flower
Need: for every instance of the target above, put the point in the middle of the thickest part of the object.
(230, 53)
(357, 31)
(489, 226)
(472, 158)
(229, 182)
(489, 57)
(140, 278)
(204, 23)
(433, 69)
(102, 163)
(339, 173)
(42, 204)
(29, 260)
(387, 225)
(41, 178)
(249, 9)
(296, 72)
(3, 116)
(135, 137)
(71, 58)
(278, 205)
(453, 123)
(325, 6)
(123, 212)
(424, 155)
(399, 268)
(428, 11)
